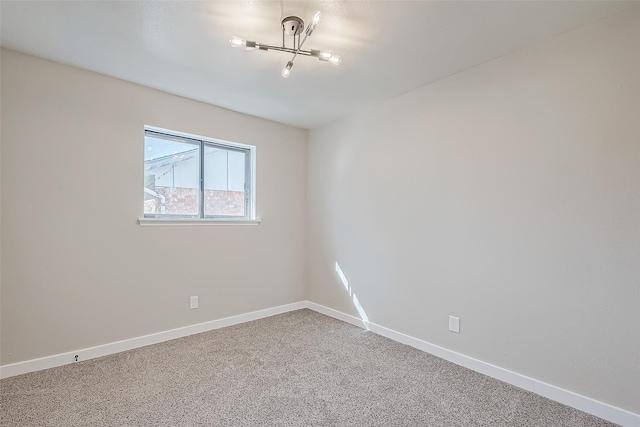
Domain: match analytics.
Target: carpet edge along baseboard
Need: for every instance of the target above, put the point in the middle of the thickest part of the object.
(583, 403)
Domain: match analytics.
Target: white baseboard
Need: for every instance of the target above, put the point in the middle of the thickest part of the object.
(129, 344)
(336, 314)
(566, 397)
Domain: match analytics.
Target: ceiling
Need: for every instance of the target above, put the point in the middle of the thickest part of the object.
(387, 47)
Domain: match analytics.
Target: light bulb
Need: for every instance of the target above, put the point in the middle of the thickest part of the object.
(314, 23)
(335, 59)
(237, 41)
(325, 55)
(287, 69)
(316, 19)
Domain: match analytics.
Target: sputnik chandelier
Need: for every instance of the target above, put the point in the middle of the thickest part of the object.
(292, 26)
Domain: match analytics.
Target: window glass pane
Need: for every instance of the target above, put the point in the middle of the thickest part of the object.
(171, 177)
(224, 182)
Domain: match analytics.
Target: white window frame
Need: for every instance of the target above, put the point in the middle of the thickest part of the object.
(250, 219)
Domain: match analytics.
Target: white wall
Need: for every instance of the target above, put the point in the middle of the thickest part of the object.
(507, 195)
(78, 270)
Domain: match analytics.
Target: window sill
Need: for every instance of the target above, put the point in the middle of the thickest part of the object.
(153, 222)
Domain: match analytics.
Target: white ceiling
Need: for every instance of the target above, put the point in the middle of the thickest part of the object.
(387, 47)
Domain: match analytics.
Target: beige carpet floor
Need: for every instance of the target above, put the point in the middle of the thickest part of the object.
(295, 369)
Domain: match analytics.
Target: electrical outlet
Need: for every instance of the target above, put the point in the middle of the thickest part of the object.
(193, 302)
(454, 324)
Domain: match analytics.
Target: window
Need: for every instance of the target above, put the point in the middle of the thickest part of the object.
(187, 176)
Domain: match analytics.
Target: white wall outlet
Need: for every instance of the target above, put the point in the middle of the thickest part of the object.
(454, 324)
(193, 302)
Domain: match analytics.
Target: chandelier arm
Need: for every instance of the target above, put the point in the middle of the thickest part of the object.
(299, 49)
(283, 49)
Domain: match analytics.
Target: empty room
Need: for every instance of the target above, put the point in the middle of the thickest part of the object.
(320, 213)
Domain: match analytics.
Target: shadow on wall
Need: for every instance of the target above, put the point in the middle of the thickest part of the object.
(352, 295)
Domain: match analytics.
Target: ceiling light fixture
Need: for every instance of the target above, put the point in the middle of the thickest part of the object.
(292, 26)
